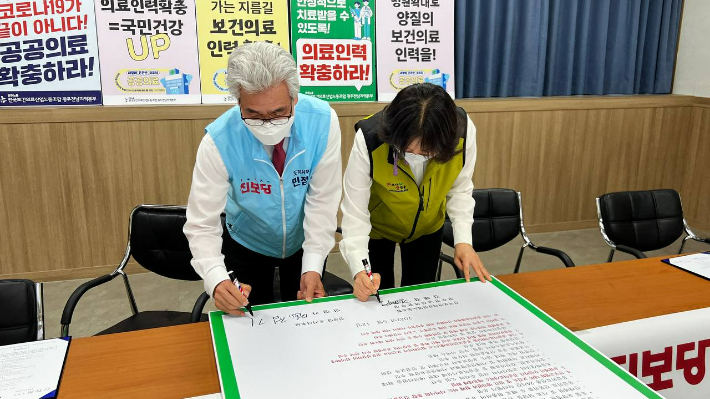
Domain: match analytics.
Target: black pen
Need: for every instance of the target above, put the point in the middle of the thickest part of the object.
(369, 274)
(239, 286)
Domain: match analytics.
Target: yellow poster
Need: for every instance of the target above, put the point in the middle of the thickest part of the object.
(222, 25)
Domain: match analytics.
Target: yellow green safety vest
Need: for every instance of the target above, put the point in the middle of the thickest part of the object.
(400, 210)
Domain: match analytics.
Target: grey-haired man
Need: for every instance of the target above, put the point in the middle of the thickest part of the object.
(273, 165)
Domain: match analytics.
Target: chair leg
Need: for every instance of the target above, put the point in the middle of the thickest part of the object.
(39, 298)
(438, 270)
(520, 258)
(129, 292)
(682, 245)
(611, 256)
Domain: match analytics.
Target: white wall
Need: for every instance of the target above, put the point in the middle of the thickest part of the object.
(692, 76)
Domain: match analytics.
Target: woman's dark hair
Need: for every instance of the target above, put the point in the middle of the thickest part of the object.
(427, 112)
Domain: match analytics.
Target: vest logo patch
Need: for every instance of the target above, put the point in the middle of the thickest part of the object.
(397, 187)
(300, 177)
(255, 187)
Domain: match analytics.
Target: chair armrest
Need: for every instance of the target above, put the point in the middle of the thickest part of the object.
(631, 251)
(78, 293)
(199, 307)
(448, 259)
(701, 239)
(556, 253)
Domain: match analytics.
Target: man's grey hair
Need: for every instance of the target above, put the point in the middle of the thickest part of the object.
(259, 66)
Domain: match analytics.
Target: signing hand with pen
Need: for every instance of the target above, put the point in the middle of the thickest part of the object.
(364, 287)
(228, 299)
(466, 259)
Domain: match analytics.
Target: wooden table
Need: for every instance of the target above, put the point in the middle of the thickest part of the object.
(598, 295)
(170, 362)
(178, 362)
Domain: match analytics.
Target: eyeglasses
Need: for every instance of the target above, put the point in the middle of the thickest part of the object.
(401, 154)
(277, 120)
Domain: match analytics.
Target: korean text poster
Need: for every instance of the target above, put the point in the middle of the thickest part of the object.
(48, 53)
(148, 51)
(334, 45)
(222, 25)
(415, 45)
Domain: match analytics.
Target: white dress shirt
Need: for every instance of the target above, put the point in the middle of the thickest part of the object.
(356, 196)
(208, 197)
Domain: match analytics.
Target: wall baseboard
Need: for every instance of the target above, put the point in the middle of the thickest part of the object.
(698, 225)
(73, 274)
(562, 226)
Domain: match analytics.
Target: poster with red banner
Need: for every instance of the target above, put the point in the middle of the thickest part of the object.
(334, 45)
(48, 53)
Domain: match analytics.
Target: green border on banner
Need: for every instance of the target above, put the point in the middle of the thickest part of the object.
(224, 358)
(596, 355)
(229, 379)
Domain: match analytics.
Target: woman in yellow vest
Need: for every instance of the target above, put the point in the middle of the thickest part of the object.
(411, 163)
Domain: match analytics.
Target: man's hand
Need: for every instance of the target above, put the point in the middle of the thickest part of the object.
(228, 299)
(364, 287)
(311, 287)
(466, 258)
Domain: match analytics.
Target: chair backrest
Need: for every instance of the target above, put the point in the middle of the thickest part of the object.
(644, 220)
(496, 219)
(21, 315)
(157, 242)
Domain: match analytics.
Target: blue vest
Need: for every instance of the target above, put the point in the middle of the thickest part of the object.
(264, 210)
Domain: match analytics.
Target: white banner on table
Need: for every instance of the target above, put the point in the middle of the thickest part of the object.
(462, 340)
(698, 264)
(415, 44)
(32, 370)
(670, 353)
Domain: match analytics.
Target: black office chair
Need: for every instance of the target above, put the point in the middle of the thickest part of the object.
(637, 221)
(157, 242)
(497, 219)
(332, 284)
(22, 313)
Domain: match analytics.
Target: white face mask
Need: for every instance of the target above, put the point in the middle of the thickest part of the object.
(270, 134)
(415, 159)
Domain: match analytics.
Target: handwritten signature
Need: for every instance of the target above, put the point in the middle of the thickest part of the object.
(394, 302)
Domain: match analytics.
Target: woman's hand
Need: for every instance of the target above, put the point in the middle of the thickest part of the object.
(466, 258)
